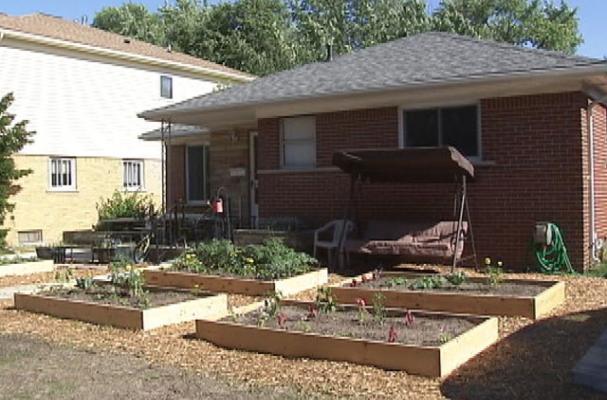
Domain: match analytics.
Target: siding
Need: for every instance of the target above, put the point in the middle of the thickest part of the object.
(85, 107)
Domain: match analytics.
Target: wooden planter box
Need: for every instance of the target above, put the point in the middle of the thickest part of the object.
(251, 287)
(533, 307)
(432, 361)
(212, 307)
(26, 268)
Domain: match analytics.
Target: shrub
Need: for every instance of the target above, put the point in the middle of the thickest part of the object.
(127, 205)
(271, 260)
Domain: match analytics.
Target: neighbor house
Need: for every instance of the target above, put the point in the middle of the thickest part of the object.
(81, 89)
(533, 123)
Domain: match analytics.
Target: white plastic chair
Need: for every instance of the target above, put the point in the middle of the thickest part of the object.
(340, 229)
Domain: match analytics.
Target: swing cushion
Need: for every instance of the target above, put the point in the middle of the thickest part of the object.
(417, 240)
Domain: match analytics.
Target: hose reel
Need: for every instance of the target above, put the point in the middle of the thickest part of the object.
(550, 251)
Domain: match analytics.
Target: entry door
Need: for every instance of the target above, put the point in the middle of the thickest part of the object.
(254, 207)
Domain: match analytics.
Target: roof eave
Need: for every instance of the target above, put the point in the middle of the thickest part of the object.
(121, 55)
(591, 69)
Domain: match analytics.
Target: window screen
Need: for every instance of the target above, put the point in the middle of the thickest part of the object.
(299, 142)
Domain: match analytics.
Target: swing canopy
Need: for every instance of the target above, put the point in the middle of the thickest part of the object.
(411, 165)
(419, 240)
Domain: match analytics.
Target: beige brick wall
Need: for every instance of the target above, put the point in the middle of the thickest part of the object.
(54, 212)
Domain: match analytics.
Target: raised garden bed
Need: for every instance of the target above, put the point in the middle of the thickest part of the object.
(238, 285)
(424, 343)
(254, 270)
(166, 307)
(507, 297)
(25, 267)
(123, 301)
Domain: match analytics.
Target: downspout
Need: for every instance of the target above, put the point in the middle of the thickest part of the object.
(594, 241)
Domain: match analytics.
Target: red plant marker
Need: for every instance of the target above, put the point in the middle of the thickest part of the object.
(354, 283)
(409, 318)
(392, 335)
(312, 311)
(281, 319)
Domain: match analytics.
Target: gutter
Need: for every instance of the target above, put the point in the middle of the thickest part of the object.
(122, 55)
(595, 242)
(581, 71)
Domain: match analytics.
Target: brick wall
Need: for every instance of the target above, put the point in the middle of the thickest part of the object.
(54, 212)
(534, 157)
(176, 191)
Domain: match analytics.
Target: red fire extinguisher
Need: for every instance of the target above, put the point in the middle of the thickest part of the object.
(218, 206)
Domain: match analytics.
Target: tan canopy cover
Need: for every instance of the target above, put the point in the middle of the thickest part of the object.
(415, 165)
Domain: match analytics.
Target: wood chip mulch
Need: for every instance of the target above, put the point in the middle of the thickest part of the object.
(532, 361)
(45, 277)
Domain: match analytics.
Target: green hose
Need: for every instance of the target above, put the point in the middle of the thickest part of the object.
(553, 259)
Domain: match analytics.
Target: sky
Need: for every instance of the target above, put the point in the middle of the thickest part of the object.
(592, 14)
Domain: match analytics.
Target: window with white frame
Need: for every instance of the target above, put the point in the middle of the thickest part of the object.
(298, 142)
(62, 173)
(447, 126)
(132, 174)
(29, 237)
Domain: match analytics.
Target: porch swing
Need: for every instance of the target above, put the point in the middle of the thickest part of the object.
(418, 240)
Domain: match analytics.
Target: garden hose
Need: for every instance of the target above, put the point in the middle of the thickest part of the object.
(552, 258)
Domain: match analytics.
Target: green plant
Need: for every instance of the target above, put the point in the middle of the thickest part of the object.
(268, 261)
(126, 205)
(13, 137)
(457, 278)
(444, 337)
(303, 326)
(394, 282)
(379, 308)
(84, 283)
(428, 282)
(324, 300)
(64, 275)
(495, 272)
(125, 275)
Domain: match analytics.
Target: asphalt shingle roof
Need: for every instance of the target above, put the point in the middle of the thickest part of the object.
(177, 131)
(425, 58)
(59, 28)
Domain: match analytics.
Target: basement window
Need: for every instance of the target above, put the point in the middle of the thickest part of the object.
(166, 87)
(132, 175)
(62, 174)
(298, 142)
(29, 237)
(448, 126)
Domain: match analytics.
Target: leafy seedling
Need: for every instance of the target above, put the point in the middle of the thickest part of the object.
(379, 309)
(457, 278)
(325, 301)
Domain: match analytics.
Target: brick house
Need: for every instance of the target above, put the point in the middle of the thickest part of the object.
(533, 123)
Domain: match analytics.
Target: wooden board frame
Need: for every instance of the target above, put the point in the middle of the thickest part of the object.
(26, 268)
(431, 361)
(211, 307)
(533, 307)
(222, 284)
